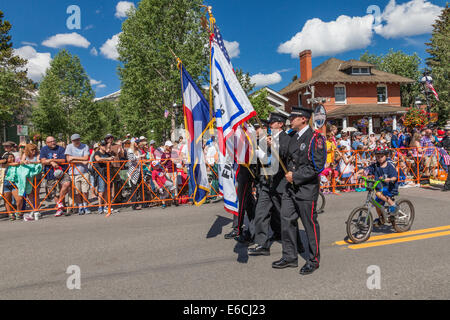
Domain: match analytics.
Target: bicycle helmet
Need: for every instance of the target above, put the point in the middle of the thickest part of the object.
(381, 151)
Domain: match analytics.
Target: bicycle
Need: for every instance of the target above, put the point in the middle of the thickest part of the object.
(360, 221)
(321, 203)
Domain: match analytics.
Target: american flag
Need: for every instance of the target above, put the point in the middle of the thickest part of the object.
(430, 86)
(166, 114)
(219, 39)
(445, 156)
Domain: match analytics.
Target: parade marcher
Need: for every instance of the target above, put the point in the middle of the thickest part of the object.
(306, 159)
(268, 207)
(245, 179)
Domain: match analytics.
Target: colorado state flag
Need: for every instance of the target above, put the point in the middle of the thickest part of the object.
(197, 119)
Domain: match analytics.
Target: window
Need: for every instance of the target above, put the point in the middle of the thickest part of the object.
(300, 100)
(364, 70)
(339, 94)
(382, 94)
(361, 71)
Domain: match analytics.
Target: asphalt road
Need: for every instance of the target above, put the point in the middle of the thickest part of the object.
(180, 253)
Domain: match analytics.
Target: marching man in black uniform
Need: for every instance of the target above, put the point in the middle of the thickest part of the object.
(272, 186)
(306, 159)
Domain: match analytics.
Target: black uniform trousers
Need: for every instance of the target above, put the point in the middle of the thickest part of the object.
(267, 214)
(291, 210)
(245, 198)
(447, 183)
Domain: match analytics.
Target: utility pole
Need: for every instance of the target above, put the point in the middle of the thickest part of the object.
(313, 101)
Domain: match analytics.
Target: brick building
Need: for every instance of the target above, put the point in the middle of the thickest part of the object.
(354, 93)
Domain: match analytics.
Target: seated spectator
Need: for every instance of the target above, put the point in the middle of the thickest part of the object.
(166, 187)
(327, 176)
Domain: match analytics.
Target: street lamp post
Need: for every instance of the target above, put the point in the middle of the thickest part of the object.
(427, 78)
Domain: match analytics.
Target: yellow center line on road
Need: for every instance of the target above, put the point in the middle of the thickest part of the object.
(408, 239)
(398, 235)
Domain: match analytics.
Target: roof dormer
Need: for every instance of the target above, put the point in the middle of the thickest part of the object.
(357, 68)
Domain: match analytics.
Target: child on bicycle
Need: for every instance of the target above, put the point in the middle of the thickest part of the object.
(383, 169)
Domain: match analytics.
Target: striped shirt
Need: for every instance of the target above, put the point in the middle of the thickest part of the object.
(134, 167)
(428, 146)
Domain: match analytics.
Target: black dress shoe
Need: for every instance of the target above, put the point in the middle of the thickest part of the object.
(258, 251)
(231, 235)
(282, 263)
(308, 268)
(244, 238)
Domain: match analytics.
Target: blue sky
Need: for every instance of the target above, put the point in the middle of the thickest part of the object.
(264, 36)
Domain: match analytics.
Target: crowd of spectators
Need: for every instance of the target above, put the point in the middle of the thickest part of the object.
(137, 170)
(82, 179)
(418, 155)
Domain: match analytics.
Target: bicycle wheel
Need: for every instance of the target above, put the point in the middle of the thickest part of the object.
(405, 217)
(359, 225)
(321, 203)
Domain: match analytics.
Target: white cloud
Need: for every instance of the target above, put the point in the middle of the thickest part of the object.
(66, 39)
(38, 62)
(109, 48)
(329, 38)
(232, 48)
(262, 80)
(408, 19)
(29, 43)
(122, 8)
(101, 86)
(95, 82)
(94, 51)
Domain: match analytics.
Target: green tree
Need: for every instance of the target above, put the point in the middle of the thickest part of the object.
(109, 118)
(149, 75)
(15, 87)
(245, 81)
(65, 103)
(402, 64)
(261, 104)
(439, 63)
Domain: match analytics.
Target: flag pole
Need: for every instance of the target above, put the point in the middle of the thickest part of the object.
(212, 21)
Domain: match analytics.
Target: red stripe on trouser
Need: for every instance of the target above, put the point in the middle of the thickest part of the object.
(315, 233)
(241, 210)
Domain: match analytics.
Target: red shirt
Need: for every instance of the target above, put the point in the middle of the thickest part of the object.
(159, 177)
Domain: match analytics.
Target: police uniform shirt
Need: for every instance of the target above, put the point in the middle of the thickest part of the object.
(305, 160)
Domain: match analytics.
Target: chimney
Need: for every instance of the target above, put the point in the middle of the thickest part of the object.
(305, 66)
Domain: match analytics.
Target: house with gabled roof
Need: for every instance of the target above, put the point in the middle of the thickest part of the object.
(354, 93)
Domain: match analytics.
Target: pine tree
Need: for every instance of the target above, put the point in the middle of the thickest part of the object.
(150, 78)
(439, 63)
(15, 87)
